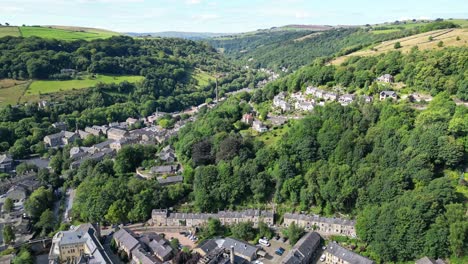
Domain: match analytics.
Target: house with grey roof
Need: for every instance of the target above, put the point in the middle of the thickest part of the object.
(126, 241)
(116, 133)
(170, 180)
(60, 139)
(60, 125)
(16, 193)
(388, 94)
(323, 225)
(78, 245)
(304, 250)
(6, 163)
(141, 256)
(338, 254)
(387, 78)
(225, 250)
(157, 245)
(165, 169)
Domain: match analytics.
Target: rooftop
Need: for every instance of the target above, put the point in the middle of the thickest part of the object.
(347, 255)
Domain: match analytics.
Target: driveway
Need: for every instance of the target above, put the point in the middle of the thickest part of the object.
(271, 257)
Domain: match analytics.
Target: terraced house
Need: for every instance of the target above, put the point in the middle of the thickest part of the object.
(166, 218)
(322, 225)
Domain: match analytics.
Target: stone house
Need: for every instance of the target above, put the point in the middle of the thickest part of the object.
(304, 250)
(387, 78)
(6, 163)
(337, 254)
(60, 139)
(322, 225)
(388, 94)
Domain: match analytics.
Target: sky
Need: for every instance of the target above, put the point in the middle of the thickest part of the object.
(221, 16)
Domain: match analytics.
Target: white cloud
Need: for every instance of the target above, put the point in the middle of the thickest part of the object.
(193, 2)
(205, 17)
(302, 14)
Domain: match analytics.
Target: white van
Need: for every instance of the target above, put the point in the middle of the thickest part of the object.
(263, 242)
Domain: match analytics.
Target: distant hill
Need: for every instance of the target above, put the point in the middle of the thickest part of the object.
(57, 32)
(429, 40)
(178, 34)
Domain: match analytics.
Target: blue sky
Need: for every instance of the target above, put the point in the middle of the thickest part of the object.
(220, 15)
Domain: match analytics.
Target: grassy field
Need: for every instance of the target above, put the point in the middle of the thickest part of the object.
(272, 136)
(447, 36)
(66, 33)
(45, 87)
(9, 31)
(203, 78)
(11, 94)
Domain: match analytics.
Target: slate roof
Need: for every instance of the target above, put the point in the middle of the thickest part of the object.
(169, 180)
(126, 239)
(240, 247)
(315, 218)
(347, 255)
(303, 249)
(4, 158)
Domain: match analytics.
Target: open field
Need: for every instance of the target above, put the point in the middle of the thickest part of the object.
(447, 36)
(12, 94)
(203, 78)
(44, 87)
(11, 91)
(9, 31)
(65, 34)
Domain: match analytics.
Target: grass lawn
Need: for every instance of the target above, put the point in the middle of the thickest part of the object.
(43, 87)
(272, 136)
(9, 31)
(203, 78)
(66, 33)
(12, 94)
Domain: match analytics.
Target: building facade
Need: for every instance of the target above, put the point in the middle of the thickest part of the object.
(322, 225)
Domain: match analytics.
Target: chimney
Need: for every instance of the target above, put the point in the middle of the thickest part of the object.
(232, 255)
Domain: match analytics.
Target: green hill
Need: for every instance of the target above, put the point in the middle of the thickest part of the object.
(57, 32)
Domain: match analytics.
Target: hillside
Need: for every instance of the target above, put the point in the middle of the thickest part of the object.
(178, 34)
(68, 33)
(428, 40)
(294, 46)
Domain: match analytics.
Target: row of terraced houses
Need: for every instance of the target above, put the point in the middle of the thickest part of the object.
(322, 225)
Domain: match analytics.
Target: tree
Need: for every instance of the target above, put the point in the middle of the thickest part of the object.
(397, 45)
(117, 212)
(8, 205)
(293, 233)
(440, 44)
(8, 234)
(264, 230)
(243, 230)
(175, 244)
(431, 38)
(39, 201)
(46, 221)
(24, 257)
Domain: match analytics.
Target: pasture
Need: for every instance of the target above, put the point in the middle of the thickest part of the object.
(11, 91)
(202, 78)
(9, 31)
(65, 33)
(450, 38)
(46, 87)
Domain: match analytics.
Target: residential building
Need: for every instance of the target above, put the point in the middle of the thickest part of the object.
(322, 225)
(304, 250)
(335, 254)
(314, 91)
(78, 245)
(164, 170)
(368, 99)
(259, 126)
(157, 245)
(170, 180)
(118, 144)
(6, 163)
(248, 119)
(141, 256)
(304, 106)
(167, 154)
(60, 139)
(387, 78)
(346, 99)
(388, 94)
(131, 121)
(116, 133)
(167, 218)
(96, 156)
(329, 96)
(78, 152)
(94, 131)
(226, 250)
(60, 125)
(126, 241)
(280, 102)
(17, 194)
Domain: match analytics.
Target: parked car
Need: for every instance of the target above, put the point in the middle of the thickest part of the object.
(322, 258)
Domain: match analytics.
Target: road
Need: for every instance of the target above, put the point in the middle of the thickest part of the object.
(114, 258)
(70, 196)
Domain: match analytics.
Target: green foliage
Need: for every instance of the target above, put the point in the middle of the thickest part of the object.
(243, 231)
(8, 234)
(293, 233)
(38, 202)
(397, 45)
(24, 257)
(46, 222)
(8, 205)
